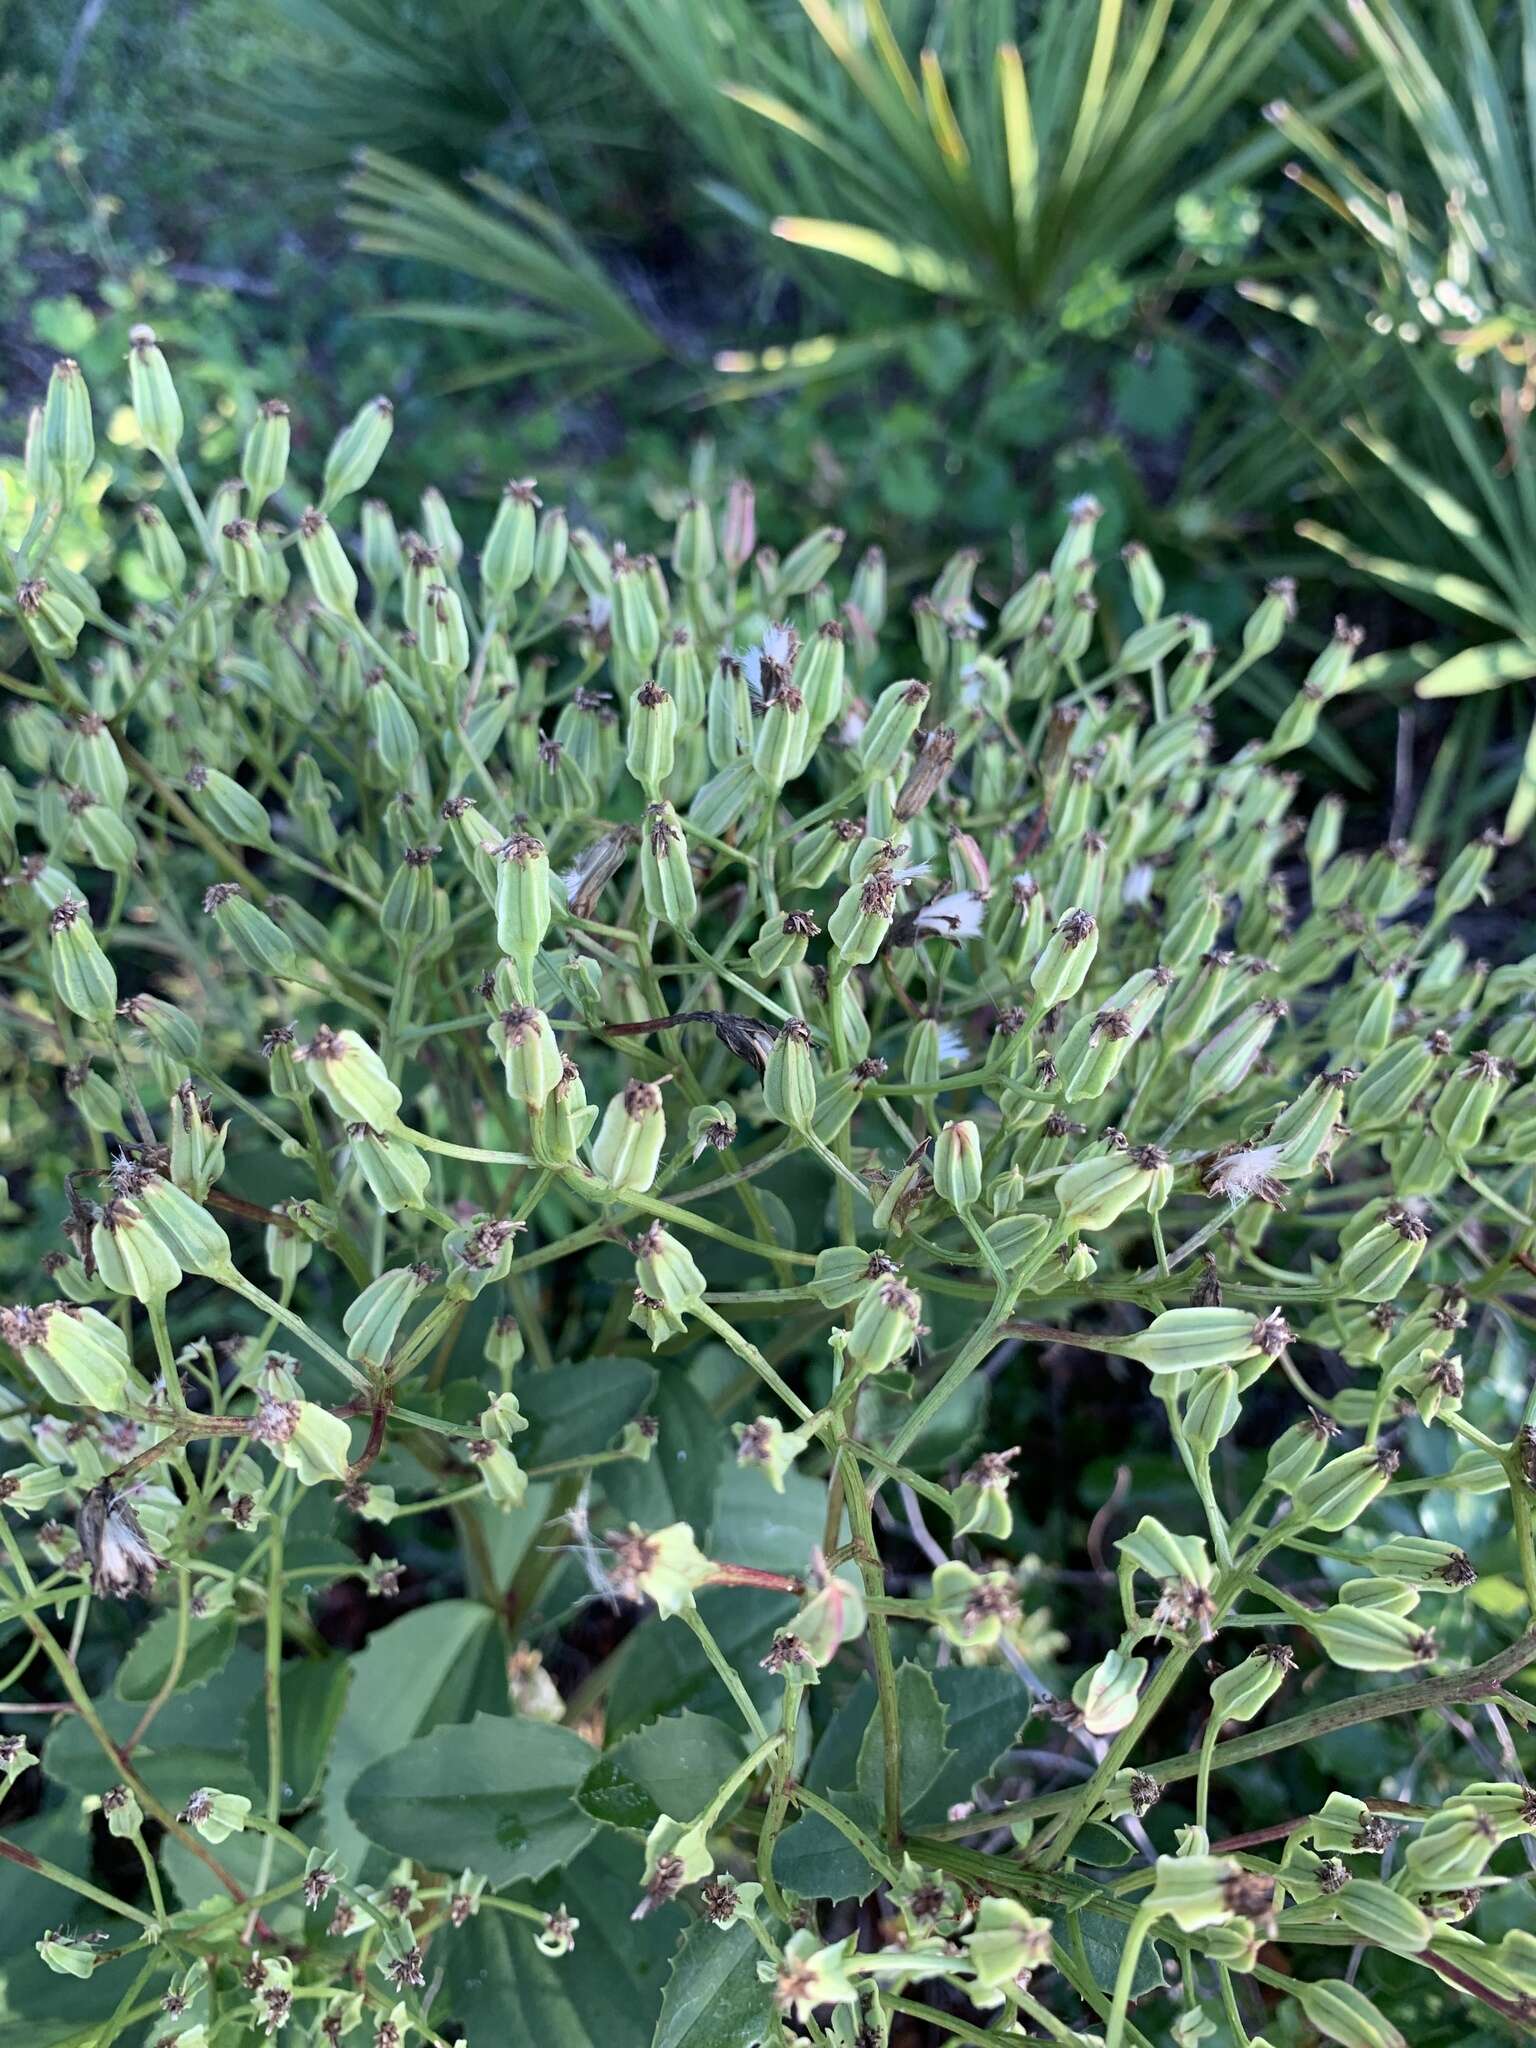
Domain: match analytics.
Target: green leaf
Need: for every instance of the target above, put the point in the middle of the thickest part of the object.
(434, 1666)
(714, 1997)
(755, 1525)
(37, 2008)
(1480, 668)
(148, 1664)
(577, 1410)
(680, 1481)
(662, 1668)
(1100, 1940)
(1103, 1847)
(909, 262)
(985, 1708)
(312, 1692)
(609, 1992)
(675, 1766)
(815, 1861)
(924, 1749)
(495, 1795)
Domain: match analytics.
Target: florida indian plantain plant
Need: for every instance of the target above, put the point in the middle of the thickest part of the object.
(673, 1057)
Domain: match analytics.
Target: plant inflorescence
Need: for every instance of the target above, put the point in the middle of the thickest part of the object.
(595, 1078)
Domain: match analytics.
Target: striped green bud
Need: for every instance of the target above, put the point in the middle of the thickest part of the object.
(508, 559)
(1383, 1917)
(1461, 1110)
(162, 550)
(1243, 1693)
(397, 1174)
(635, 626)
(373, 1318)
(1091, 1194)
(1303, 1131)
(352, 1078)
(1381, 1097)
(550, 549)
(82, 975)
(781, 944)
(808, 562)
(1189, 1339)
(476, 1255)
(979, 1505)
(1211, 1408)
(1425, 1562)
(971, 1609)
(789, 1077)
(414, 909)
(1341, 2013)
(627, 1148)
(152, 394)
(1296, 1454)
(665, 1271)
(728, 714)
(264, 462)
(195, 1241)
(819, 676)
(590, 563)
(522, 901)
(131, 1256)
(1452, 1849)
(52, 619)
(862, 917)
(666, 875)
(331, 576)
(957, 1165)
(652, 740)
(228, 809)
(1376, 1264)
(1063, 966)
(442, 632)
(890, 727)
(1205, 1891)
(886, 1323)
(782, 739)
(1341, 1491)
(1225, 1061)
(529, 1056)
(1106, 1697)
(693, 543)
(356, 452)
(561, 1122)
(78, 1356)
(238, 550)
(69, 437)
(95, 1100)
(1147, 588)
(262, 944)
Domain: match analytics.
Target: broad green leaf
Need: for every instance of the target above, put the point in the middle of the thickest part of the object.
(496, 1795)
(673, 1766)
(38, 2009)
(150, 1662)
(680, 1481)
(606, 1995)
(815, 1861)
(714, 1996)
(924, 1750)
(1098, 1941)
(576, 1410)
(985, 1707)
(662, 1668)
(753, 1524)
(1480, 668)
(312, 1692)
(434, 1666)
(1103, 1847)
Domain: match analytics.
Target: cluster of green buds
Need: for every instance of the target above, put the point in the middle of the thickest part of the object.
(369, 893)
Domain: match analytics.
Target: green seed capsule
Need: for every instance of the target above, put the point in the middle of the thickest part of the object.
(1094, 1192)
(69, 438)
(783, 739)
(1377, 1264)
(197, 1142)
(1203, 1891)
(153, 395)
(262, 944)
(1461, 1110)
(627, 1148)
(808, 563)
(372, 1321)
(1188, 1339)
(666, 874)
(264, 463)
(957, 1165)
(53, 620)
(442, 633)
(1243, 1693)
(398, 1176)
(862, 917)
(1296, 1454)
(77, 1355)
(331, 575)
(1211, 1408)
(195, 1241)
(1341, 1491)
(665, 1271)
(392, 736)
(1063, 966)
(131, 1255)
(886, 1323)
(1341, 2013)
(652, 742)
(227, 809)
(781, 945)
(82, 974)
(636, 629)
(1225, 1061)
(356, 452)
(693, 543)
(352, 1078)
(529, 1055)
(890, 726)
(789, 1077)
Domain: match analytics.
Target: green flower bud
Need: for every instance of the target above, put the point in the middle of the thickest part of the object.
(195, 1241)
(652, 741)
(331, 576)
(1461, 1110)
(442, 633)
(352, 1078)
(1341, 2013)
(971, 1609)
(77, 1355)
(1243, 1693)
(890, 726)
(356, 451)
(627, 1148)
(508, 558)
(53, 620)
(372, 1320)
(1376, 1265)
(1205, 1891)
(230, 811)
(666, 875)
(153, 395)
(807, 563)
(789, 1078)
(1344, 1488)
(636, 629)
(1063, 966)
(666, 1566)
(399, 1176)
(264, 463)
(1093, 1193)
(263, 945)
(215, 1815)
(550, 550)
(1106, 1697)
(957, 1165)
(1296, 1455)
(693, 543)
(69, 438)
(886, 1323)
(562, 1121)
(477, 1254)
(131, 1256)
(979, 1504)
(862, 917)
(66, 1954)
(1187, 1339)
(1225, 1061)
(530, 1056)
